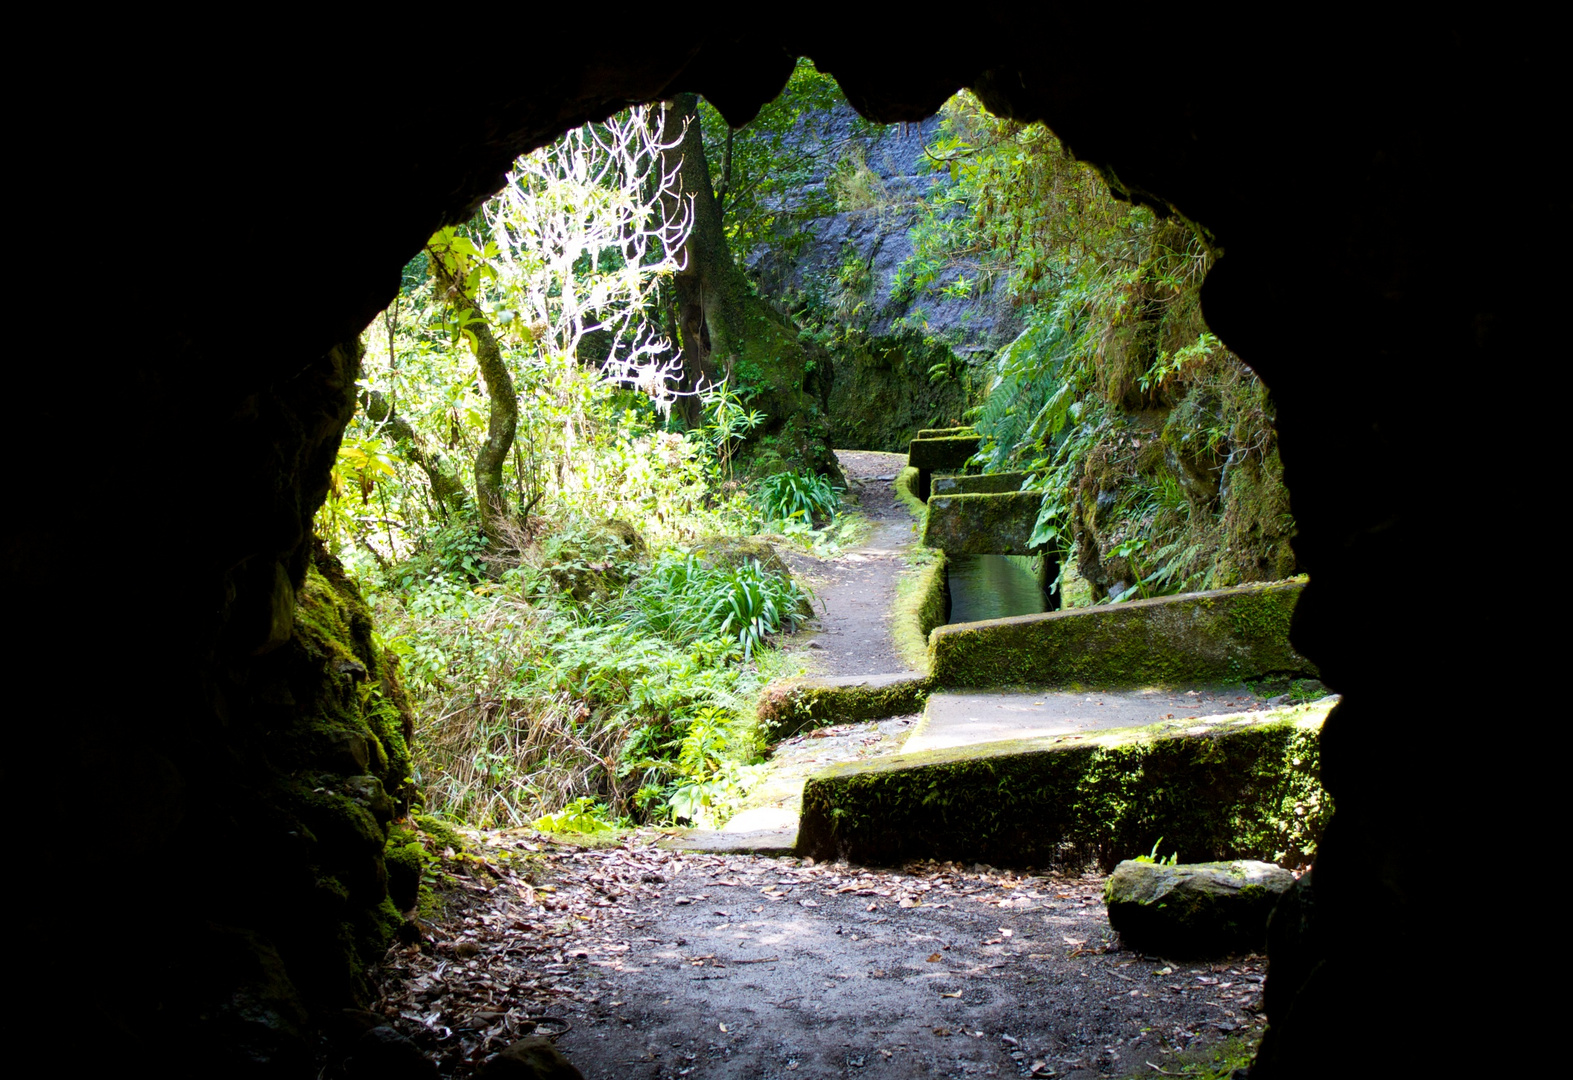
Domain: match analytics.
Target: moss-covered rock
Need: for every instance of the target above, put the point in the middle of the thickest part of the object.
(1194, 910)
(984, 484)
(1228, 788)
(981, 524)
(881, 396)
(336, 728)
(1217, 636)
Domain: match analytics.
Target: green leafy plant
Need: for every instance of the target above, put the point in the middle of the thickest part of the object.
(1153, 856)
(583, 815)
(727, 422)
(803, 495)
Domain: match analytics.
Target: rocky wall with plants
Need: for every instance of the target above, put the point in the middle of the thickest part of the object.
(1153, 448)
(828, 247)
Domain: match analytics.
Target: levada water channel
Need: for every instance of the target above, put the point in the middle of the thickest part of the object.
(994, 586)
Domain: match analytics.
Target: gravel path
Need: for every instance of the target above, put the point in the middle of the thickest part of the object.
(664, 965)
(854, 592)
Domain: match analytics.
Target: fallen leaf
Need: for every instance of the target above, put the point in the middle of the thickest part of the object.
(943, 1033)
(809, 903)
(955, 994)
(723, 1027)
(934, 959)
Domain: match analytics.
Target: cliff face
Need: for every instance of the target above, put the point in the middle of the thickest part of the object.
(187, 439)
(903, 358)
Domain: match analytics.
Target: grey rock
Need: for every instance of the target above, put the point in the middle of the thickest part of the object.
(1196, 909)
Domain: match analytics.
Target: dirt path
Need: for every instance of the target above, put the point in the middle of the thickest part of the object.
(854, 592)
(654, 964)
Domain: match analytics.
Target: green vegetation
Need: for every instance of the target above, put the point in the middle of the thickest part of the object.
(1152, 447)
(802, 496)
(548, 552)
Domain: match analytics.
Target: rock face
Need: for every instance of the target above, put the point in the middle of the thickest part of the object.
(905, 364)
(1197, 909)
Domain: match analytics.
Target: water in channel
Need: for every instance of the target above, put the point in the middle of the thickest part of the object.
(993, 586)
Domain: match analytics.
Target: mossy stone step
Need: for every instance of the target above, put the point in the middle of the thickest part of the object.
(1230, 788)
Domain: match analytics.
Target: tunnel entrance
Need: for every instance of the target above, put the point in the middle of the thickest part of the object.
(1400, 273)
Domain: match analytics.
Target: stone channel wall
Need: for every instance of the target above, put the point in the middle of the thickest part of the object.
(1225, 634)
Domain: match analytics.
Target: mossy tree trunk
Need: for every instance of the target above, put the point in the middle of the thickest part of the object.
(711, 290)
(503, 420)
(446, 486)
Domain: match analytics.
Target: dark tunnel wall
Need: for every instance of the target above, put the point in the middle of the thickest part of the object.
(1391, 230)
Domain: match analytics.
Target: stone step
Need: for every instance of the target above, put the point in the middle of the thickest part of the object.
(767, 830)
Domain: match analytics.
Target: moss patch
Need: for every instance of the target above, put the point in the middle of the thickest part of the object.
(981, 524)
(789, 706)
(1219, 636)
(1229, 788)
(920, 606)
(907, 481)
(337, 728)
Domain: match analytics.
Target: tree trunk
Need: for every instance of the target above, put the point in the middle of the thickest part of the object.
(710, 288)
(446, 486)
(503, 420)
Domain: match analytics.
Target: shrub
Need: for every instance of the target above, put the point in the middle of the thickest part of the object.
(803, 495)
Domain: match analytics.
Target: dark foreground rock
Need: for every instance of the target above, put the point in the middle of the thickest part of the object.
(1198, 909)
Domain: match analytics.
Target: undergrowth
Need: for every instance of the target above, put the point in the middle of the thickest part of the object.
(578, 681)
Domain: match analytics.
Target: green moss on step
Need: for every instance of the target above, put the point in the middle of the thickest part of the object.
(907, 492)
(920, 605)
(789, 706)
(1243, 787)
(986, 484)
(1219, 636)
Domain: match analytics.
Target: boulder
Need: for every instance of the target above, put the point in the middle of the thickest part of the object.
(1195, 909)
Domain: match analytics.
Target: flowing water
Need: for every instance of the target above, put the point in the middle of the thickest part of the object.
(992, 587)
